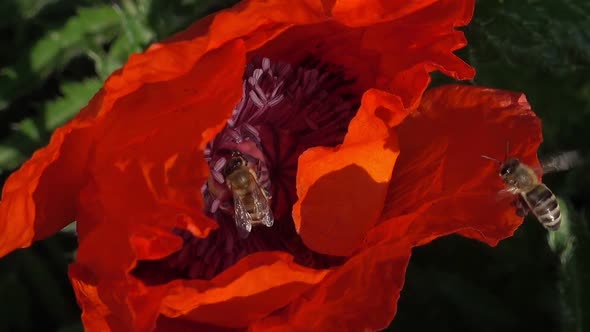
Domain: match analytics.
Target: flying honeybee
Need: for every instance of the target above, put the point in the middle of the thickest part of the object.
(251, 203)
(534, 196)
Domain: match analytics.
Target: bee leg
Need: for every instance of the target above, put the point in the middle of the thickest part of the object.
(268, 220)
(266, 194)
(505, 193)
(522, 208)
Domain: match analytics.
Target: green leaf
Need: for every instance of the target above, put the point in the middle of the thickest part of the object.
(119, 52)
(75, 96)
(77, 327)
(546, 35)
(90, 26)
(572, 244)
(12, 151)
(15, 307)
(12, 11)
(135, 37)
(37, 276)
(138, 34)
(31, 134)
(168, 17)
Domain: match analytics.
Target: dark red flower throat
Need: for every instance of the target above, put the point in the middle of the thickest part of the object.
(283, 111)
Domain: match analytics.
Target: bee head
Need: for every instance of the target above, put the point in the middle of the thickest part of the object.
(235, 162)
(508, 167)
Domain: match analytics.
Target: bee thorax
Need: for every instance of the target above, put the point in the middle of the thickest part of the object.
(239, 180)
(522, 179)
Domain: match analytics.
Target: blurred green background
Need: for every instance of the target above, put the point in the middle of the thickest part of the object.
(57, 53)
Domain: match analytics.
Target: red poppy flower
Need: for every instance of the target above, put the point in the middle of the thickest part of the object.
(330, 120)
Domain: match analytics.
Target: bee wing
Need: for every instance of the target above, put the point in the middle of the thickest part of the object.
(505, 193)
(242, 218)
(261, 205)
(561, 162)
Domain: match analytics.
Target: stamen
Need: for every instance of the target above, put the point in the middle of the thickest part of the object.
(265, 64)
(250, 129)
(219, 164)
(275, 101)
(217, 176)
(236, 137)
(256, 99)
(215, 206)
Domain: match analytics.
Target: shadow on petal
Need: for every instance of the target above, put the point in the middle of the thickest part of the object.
(339, 208)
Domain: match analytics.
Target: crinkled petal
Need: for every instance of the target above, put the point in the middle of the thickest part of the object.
(358, 13)
(166, 324)
(110, 303)
(361, 295)
(94, 310)
(440, 184)
(40, 198)
(146, 175)
(418, 43)
(402, 64)
(257, 285)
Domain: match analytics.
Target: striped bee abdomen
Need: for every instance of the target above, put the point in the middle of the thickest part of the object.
(544, 206)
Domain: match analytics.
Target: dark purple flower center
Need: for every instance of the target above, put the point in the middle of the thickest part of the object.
(283, 111)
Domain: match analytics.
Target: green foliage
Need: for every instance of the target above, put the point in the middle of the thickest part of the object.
(76, 327)
(15, 12)
(31, 133)
(457, 284)
(167, 16)
(13, 290)
(91, 26)
(33, 283)
(541, 48)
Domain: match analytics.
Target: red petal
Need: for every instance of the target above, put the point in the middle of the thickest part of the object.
(440, 184)
(342, 190)
(358, 13)
(258, 284)
(402, 64)
(166, 324)
(94, 310)
(148, 170)
(110, 303)
(359, 296)
(419, 43)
